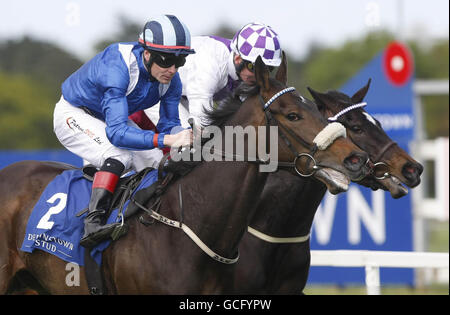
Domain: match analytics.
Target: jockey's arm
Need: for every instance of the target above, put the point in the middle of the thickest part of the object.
(119, 133)
(169, 118)
(205, 74)
(198, 107)
(142, 120)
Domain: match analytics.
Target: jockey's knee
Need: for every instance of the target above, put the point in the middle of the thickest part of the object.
(125, 157)
(147, 158)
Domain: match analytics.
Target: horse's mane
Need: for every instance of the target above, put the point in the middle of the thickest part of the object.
(229, 105)
(218, 116)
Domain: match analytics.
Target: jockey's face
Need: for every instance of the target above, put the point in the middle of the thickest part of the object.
(163, 75)
(246, 75)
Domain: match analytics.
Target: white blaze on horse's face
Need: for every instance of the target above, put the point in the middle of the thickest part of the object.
(370, 118)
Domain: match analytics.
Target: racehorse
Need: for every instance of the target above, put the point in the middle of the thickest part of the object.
(278, 260)
(218, 199)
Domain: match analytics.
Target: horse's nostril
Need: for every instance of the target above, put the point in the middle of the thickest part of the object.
(420, 168)
(356, 162)
(412, 172)
(412, 169)
(354, 159)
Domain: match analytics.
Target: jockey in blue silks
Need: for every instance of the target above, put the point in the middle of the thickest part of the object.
(91, 118)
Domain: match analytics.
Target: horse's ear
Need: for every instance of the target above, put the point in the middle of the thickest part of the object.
(262, 74)
(282, 70)
(322, 100)
(359, 96)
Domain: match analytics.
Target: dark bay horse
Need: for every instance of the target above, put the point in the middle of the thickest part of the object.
(288, 203)
(218, 200)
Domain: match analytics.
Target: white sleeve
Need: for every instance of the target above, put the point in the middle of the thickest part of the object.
(204, 74)
(197, 108)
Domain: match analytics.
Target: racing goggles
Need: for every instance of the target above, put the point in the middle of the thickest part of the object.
(168, 60)
(250, 66)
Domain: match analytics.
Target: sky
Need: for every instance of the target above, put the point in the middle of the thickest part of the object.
(78, 24)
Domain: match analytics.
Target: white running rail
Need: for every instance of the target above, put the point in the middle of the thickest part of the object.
(373, 260)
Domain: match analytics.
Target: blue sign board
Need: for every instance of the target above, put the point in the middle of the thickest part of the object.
(10, 157)
(362, 219)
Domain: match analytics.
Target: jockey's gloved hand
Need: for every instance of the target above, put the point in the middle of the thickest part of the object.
(196, 125)
(181, 139)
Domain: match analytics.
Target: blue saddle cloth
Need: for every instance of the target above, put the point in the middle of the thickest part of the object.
(53, 225)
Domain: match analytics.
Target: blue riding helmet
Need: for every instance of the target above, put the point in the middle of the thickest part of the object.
(166, 34)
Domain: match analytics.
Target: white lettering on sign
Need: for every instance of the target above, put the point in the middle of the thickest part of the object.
(323, 220)
(395, 121)
(359, 213)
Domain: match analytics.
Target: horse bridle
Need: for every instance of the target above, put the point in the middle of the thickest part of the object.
(269, 118)
(313, 148)
(381, 166)
(378, 167)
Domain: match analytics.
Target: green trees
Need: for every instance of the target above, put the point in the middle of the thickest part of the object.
(43, 61)
(26, 113)
(329, 68)
(31, 73)
(432, 62)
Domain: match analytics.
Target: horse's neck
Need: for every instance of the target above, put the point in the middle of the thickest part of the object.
(218, 199)
(288, 205)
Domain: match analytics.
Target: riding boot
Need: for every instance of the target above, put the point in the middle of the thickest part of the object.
(103, 187)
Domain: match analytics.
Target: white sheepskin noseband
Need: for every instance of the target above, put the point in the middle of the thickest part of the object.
(330, 133)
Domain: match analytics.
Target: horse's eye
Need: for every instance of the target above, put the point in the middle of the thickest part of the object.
(356, 129)
(293, 116)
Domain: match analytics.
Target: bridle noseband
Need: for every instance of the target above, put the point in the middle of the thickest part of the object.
(377, 167)
(381, 166)
(313, 148)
